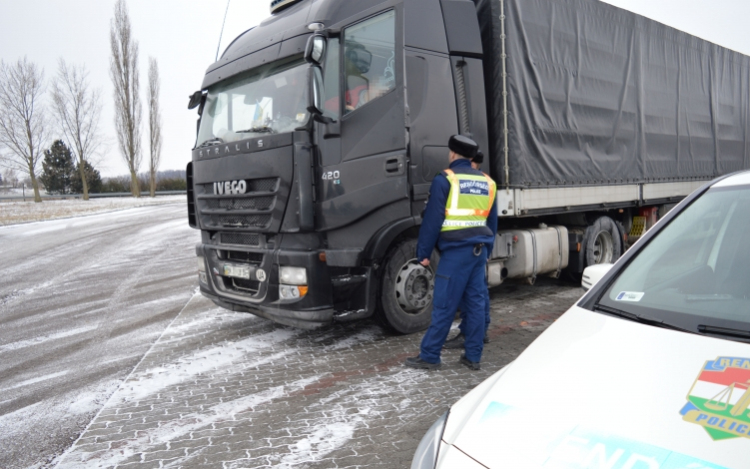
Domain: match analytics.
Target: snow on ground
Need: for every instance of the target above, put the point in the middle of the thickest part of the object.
(15, 212)
(41, 339)
(187, 423)
(99, 286)
(340, 422)
(188, 367)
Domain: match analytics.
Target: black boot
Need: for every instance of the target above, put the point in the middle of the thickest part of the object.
(469, 364)
(456, 342)
(417, 362)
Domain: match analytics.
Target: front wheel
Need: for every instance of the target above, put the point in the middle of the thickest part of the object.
(407, 289)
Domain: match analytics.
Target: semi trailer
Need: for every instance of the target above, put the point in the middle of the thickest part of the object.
(321, 129)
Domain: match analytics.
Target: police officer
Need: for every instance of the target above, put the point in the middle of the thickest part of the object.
(458, 340)
(460, 219)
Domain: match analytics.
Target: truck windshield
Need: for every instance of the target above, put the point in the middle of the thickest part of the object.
(696, 271)
(268, 99)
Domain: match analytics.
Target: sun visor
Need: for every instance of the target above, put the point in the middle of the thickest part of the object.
(293, 46)
(462, 28)
(420, 18)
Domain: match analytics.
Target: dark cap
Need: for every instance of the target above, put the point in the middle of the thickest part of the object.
(478, 158)
(464, 146)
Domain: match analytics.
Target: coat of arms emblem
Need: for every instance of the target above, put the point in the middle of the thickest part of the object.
(720, 398)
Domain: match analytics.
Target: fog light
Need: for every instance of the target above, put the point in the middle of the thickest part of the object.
(292, 292)
(292, 275)
(202, 277)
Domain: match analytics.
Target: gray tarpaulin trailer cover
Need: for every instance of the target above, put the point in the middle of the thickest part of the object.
(599, 95)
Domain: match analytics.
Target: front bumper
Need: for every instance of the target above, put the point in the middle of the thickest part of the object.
(260, 296)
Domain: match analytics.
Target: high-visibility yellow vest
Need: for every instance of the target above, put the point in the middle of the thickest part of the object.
(469, 201)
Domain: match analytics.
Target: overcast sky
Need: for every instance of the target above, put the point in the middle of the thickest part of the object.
(183, 36)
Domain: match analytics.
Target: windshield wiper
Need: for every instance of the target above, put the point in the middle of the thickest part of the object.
(211, 142)
(256, 130)
(641, 319)
(725, 331)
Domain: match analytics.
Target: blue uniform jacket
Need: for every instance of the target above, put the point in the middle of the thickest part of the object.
(434, 215)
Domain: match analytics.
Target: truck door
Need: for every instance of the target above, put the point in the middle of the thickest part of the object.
(363, 161)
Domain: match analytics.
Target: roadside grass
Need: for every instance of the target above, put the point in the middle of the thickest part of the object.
(12, 213)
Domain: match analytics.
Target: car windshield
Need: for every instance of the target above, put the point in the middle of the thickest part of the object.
(696, 271)
(268, 99)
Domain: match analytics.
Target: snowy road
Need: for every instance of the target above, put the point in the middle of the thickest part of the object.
(81, 301)
(108, 355)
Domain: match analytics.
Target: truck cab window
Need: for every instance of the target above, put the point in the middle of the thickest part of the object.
(369, 60)
(268, 99)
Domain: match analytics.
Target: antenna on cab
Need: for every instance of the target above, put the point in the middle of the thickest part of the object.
(218, 46)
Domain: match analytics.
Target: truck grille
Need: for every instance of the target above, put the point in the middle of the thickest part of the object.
(249, 211)
(255, 203)
(240, 221)
(249, 257)
(247, 239)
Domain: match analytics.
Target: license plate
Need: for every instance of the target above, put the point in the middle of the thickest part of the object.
(238, 271)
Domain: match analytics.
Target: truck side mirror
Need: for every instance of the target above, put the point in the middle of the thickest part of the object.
(315, 95)
(195, 99)
(315, 49)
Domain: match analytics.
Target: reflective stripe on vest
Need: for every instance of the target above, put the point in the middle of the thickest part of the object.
(470, 208)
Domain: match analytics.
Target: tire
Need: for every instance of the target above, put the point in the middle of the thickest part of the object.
(406, 289)
(603, 242)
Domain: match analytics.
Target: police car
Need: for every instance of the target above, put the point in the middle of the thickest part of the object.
(649, 370)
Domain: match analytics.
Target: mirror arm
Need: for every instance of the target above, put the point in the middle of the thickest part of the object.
(323, 119)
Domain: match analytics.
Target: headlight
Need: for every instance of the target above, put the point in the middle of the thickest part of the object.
(292, 292)
(426, 455)
(292, 275)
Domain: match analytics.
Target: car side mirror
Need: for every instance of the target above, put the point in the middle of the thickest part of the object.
(315, 49)
(593, 273)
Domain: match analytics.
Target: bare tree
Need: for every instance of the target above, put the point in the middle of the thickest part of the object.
(154, 122)
(123, 69)
(23, 128)
(10, 177)
(78, 108)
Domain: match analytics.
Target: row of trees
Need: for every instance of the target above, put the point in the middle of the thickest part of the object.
(26, 126)
(62, 175)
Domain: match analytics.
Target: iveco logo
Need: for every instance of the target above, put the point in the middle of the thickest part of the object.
(230, 187)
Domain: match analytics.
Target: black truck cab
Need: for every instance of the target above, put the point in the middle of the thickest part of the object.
(310, 170)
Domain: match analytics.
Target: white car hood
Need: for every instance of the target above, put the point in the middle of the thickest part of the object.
(595, 391)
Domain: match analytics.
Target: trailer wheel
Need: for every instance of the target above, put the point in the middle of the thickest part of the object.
(406, 289)
(603, 242)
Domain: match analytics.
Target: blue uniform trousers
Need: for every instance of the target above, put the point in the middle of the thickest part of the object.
(459, 279)
(462, 307)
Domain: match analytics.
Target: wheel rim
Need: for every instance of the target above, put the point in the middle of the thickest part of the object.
(413, 287)
(603, 248)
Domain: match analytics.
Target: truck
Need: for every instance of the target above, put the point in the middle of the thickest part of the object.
(321, 129)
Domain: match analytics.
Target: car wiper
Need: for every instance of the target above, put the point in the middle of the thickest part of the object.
(641, 319)
(256, 130)
(211, 142)
(725, 331)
